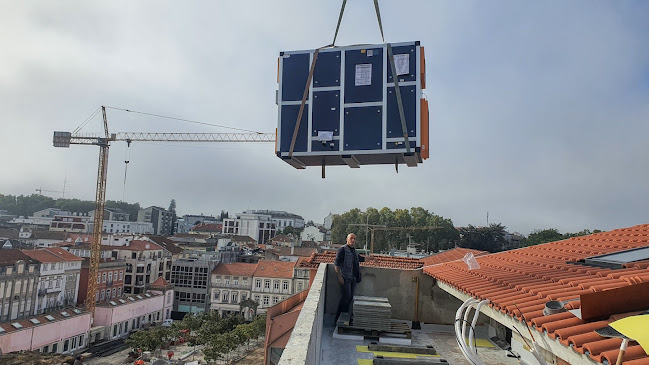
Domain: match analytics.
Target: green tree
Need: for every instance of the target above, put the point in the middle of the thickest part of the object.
(539, 236)
(145, 340)
(490, 239)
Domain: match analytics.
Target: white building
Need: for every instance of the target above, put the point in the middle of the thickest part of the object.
(58, 284)
(281, 218)
(318, 234)
(126, 227)
(258, 226)
(272, 283)
(328, 221)
(231, 284)
(185, 224)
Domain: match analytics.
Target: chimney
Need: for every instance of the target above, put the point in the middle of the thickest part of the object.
(292, 248)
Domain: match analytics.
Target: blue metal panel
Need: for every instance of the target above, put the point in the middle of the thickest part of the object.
(332, 146)
(326, 112)
(327, 70)
(289, 118)
(363, 128)
(295, 72)
(365, 93)
(409, 100)
(401, 145)
(412, 64)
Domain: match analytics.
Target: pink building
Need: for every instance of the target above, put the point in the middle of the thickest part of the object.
(120, 316)
(62, 331)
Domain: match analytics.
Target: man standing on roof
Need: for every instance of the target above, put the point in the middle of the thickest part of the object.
(348, 271)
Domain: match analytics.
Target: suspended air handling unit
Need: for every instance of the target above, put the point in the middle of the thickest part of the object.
(343, 106)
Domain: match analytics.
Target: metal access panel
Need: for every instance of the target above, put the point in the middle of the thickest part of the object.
(351, 111)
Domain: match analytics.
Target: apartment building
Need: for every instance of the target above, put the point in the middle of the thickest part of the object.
(71, 223)
(231, 285)
(18, 276)
(159, 217)
(190, 277)
(112, 214)
(273, 282)
(58, 280)
(145, 262)
(110, 281)
(187, 222)
(281, 218)
(258, 226)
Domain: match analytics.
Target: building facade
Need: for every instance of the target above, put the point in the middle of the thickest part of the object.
(258, 226)
(231, 285)
(281, 218)
(112, 214)
(145, 262)
(190, 277)
(58, 281)
(71, 223)
(159, 217)
(110, 281)
(18, 276)
(272, 283)
(185, 224)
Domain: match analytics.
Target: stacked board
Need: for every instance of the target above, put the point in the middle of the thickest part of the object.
(372, 313)
(351, 115)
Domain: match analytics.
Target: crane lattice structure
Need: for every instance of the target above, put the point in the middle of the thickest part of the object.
(65, 139)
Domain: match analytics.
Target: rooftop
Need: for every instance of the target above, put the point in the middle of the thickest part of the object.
(10, 256)
(129, 298)
(42, 319)
(274, 269)
(235, 269)
(51, 254)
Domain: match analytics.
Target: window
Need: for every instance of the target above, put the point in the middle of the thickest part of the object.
(224, 298)
(227, 280)
(285, 285)
(258, 283)
(275, 300)
(103, 277)
(121, 273)
(114, 291)
(108, 294)
(257, 298)
(243, 296)
(235, 296)
(66, 345)
(266, 299)
(216, 294)
(103, 294)
(266, 284)
(235, 281)
(299, 286)
(119, 292)
(276, 284)
(53, 267)
(110, 276)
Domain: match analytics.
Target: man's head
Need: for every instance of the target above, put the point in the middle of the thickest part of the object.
(351, 239)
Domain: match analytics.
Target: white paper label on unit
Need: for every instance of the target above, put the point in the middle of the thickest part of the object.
(402, 63)
(363, 74)
(325, 136)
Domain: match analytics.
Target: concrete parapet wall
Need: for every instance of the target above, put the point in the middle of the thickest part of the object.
(304, 345)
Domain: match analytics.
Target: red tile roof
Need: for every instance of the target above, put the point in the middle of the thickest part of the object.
(43, 256)
(208, 227)
(160, 281)
(167, 244)
(235, 269)
(450, 255)
(274, 269)
(11, 256)
(286, 251)
(531, 276)
(64, 254)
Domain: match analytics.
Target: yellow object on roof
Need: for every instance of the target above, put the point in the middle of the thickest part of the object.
(635, 328)
(402, 355)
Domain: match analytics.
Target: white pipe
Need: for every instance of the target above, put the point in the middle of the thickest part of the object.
(473, 323)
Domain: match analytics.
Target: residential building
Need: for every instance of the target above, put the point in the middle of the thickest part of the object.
(281, 218)
(119, 316)
(110, 280)
(65, 331)
(127, 227)
(112, 214)
(232, 285)
(272, 283)
(207, 228)
(71, 223)
(33, 237)
(287, 240)
(185, 224)
(145, 262)
(58, 282)
(258, 226)
(328, 221)
(50, 213)
(36, 222)
(281, 253)
(190, 277)
(161, 219)
(313, 233)
(18, 276)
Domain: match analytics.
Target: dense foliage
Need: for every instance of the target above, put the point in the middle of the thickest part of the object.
(443, 236)
(539, 236)
(26, 205)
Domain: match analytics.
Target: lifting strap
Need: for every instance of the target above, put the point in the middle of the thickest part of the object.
(397, 92)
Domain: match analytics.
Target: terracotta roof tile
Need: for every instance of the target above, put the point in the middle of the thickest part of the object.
(531, 276)
(139, 245)
(10, 256)
(274, 269)
(235, 269)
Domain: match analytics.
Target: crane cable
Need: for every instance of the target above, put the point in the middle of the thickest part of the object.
(181, 119)
(312, 69)
(127, 158)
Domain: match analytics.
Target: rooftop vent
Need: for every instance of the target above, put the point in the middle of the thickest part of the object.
(49, 318)
(139, 297)
(112, 303)
(2, 330)
(147, 295)
(131, 299)
(35, 321)
(17, 325)
(122, 301)
(75, 310)
(65, 314)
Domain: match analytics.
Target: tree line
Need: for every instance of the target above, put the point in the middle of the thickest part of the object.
(26, 205)
(218, 336)
(442, 235)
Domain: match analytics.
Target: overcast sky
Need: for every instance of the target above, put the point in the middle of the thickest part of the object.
(539, 111)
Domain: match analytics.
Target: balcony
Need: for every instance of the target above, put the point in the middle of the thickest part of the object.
(233, 286)
(42, 292)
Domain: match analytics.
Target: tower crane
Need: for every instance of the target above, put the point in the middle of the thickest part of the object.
(65, 139)
(40, 191)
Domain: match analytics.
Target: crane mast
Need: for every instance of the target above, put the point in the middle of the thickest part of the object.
(65, 139)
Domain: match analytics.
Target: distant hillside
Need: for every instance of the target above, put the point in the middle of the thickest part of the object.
(26, 205)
